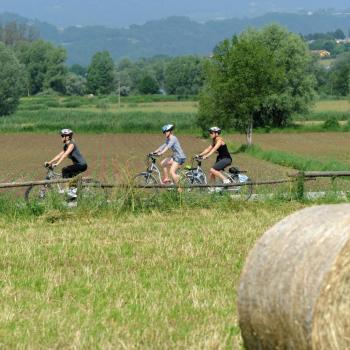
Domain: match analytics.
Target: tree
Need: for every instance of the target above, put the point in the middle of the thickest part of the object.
(339, 34)
(78, 70)
(44, 64)
(340, 75)
(101, 76)
(148, 85)
(184, 76)
(257, 79)
(75, 85)
(11, 77)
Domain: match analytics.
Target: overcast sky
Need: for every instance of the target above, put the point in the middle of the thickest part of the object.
(119, 13)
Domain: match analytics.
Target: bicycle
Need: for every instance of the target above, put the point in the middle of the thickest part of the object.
(237, 176)
(88, 188)
(195, 175)
(152, 175)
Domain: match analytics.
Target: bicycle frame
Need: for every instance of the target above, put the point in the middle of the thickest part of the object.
(196, 172)
(152, 168)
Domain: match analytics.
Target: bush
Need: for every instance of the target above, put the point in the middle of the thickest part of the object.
(331, 123)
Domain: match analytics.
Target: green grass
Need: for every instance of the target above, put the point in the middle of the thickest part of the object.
(97, 122)
(293, 160)
(156, 280)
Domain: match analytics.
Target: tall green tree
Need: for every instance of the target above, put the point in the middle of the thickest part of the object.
(184, 76)
(148, 85)
(44, 64)
(340, 76)
(75, 85)
(257, 79)
(101, 75)
(12, 81)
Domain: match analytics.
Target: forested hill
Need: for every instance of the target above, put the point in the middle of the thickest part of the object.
(173, 36)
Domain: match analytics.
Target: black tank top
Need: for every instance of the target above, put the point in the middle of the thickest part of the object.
(223, 152)
(75, 155)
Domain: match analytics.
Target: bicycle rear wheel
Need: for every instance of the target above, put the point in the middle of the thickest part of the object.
(37, 193)
(92, 190)
(242, 192)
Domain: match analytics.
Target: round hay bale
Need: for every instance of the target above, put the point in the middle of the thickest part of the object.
(294, 290)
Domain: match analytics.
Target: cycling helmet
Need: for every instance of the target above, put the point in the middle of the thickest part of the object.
(66, 132)
(168, 127)
(215, 129)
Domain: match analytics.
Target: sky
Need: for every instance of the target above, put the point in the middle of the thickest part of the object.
(122, 13)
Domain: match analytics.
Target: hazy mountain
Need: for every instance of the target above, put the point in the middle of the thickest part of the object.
(120, 13)
(173, 36)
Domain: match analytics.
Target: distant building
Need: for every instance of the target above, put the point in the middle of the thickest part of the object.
(321, 53)
(343, 41)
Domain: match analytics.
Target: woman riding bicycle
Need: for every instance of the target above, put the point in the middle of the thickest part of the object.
(223, 158)
(178, 158)
(71, 151)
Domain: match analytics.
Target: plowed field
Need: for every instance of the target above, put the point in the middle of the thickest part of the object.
(109, 156)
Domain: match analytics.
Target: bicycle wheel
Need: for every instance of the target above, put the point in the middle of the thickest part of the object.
(192, 179)
(239, 192)
(92, 190)
(143, 180)
(36, 193)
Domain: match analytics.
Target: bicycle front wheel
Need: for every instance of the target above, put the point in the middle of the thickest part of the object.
(193, 180)
(144, 179)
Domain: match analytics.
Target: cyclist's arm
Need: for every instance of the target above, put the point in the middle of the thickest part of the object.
(214, 149)
(65, 154)
(162, 149)
(59, 155)
(207, 150)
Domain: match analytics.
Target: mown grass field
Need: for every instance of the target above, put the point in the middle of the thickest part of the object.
(162, 280)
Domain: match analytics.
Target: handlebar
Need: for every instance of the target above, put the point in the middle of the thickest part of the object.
(48, 166)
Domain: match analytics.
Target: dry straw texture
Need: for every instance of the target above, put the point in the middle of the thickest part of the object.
(294, 290)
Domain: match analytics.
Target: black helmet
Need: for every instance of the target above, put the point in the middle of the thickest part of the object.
(215, 129)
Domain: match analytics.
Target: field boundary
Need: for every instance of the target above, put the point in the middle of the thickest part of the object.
(291, 160)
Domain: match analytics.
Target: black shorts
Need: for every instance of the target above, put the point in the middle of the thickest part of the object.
(73, 170)
(221, 164)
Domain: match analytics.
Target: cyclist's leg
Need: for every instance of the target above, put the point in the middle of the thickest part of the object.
(176, 163)
(70, 172)
(166, 164)
(220, 165)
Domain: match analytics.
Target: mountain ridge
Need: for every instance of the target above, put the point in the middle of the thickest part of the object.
(172, 36)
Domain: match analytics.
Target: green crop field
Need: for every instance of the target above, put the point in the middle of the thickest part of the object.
(137, 114)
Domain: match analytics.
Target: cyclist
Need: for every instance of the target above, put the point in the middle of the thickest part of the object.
(223, 158)
(178, 158)
(71, 151)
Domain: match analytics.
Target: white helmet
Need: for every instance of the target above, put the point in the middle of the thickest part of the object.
(66, 132)
(168, 127)
(215, 129)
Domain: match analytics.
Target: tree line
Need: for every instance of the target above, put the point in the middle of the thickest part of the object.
(41, 69)
(258, 78)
